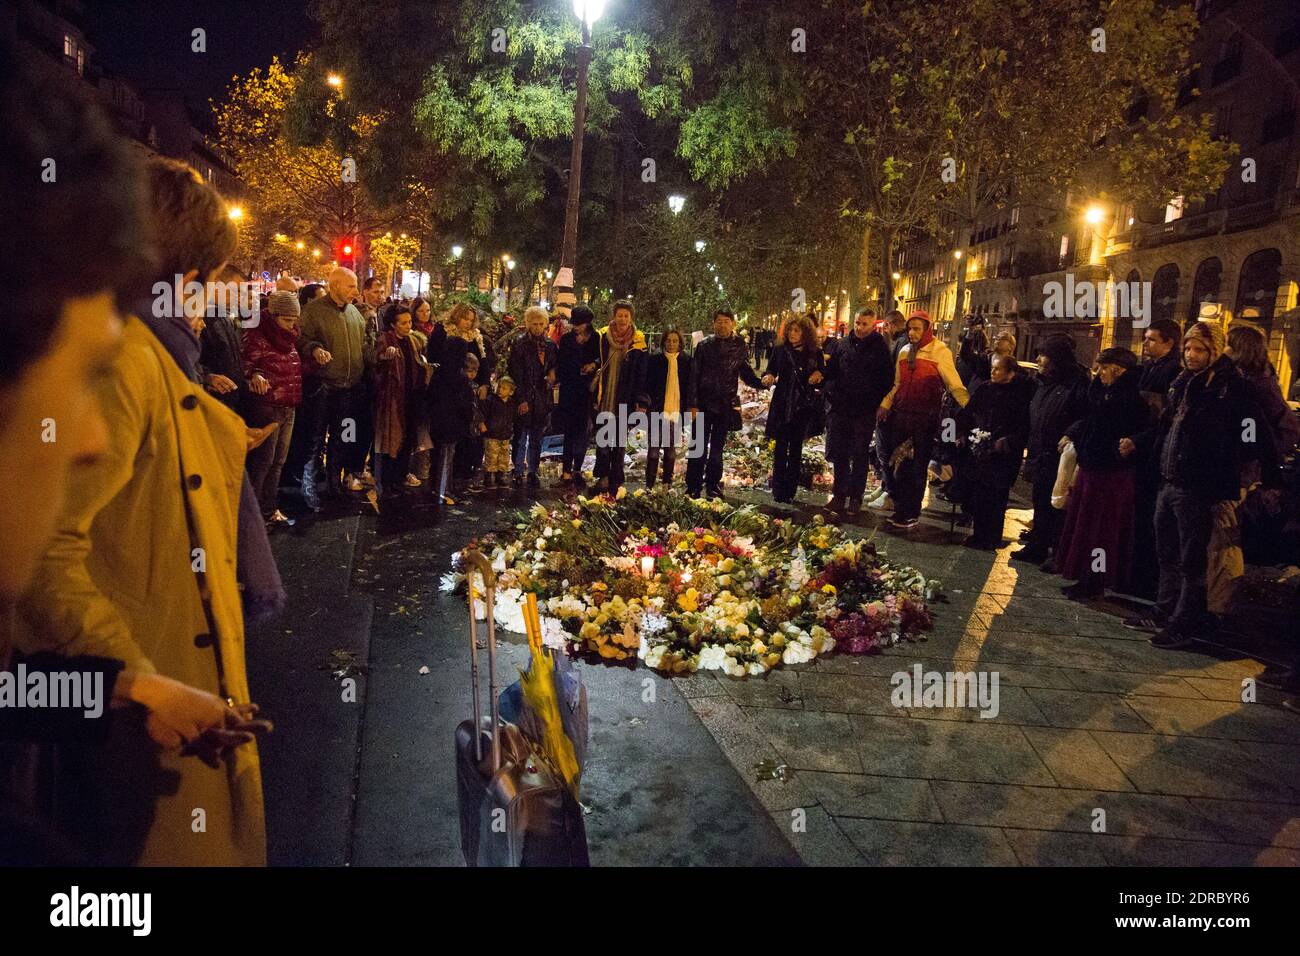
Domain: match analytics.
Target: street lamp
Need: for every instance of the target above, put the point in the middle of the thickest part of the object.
(1094, 215)
(457, 251)
(956, 253)
(588, 12)
(699, 245)
(235, 212)
(897, 276)
(334, 80)
(510, 264)
(299, 245)
(676, 203)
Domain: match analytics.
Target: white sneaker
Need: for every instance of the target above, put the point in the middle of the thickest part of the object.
(884, 502)
(871, 494)
(413, 482)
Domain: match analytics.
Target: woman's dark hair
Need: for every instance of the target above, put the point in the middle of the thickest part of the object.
(311, 290)
(681, 342)
(809, 339)
(1249, 349)
(75, 200)
(415, 307)
(391, 314)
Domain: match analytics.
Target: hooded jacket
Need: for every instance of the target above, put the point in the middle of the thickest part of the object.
(923, 372)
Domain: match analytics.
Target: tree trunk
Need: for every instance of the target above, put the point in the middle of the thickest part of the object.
(886, 269)
(958, 305)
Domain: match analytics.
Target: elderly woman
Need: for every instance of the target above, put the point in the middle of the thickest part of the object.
(1096, 546)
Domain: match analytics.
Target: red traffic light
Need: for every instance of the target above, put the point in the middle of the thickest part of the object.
(347, 250)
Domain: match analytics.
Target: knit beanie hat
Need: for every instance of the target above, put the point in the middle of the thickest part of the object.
(1209, 334)
(284, 302)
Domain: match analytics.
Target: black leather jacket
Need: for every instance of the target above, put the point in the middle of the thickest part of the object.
(716, 368)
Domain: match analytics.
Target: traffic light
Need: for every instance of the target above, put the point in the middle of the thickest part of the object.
(345, 251)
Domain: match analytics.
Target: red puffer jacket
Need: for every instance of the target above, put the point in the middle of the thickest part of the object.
(272, 351)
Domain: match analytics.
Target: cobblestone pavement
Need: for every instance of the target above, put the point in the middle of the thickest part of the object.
(1104, 751)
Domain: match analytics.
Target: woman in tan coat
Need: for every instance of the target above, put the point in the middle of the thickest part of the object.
(142, 570)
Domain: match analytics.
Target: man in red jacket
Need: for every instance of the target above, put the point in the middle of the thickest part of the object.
(910, 413)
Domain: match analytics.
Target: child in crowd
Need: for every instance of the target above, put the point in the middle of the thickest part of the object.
(499, 417)
(469, 448)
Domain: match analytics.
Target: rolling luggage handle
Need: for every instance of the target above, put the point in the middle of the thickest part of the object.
(475, 561)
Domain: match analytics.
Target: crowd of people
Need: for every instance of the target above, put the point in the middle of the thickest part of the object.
(148, 450)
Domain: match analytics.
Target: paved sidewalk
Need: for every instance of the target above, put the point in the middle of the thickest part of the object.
(1105, 751)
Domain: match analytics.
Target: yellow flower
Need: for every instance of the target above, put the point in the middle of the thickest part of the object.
(576, 523)
(829, 589)
(689, 601)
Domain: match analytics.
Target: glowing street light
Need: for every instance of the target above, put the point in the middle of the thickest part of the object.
(315, 253)
(897, 276)
(676, 203)
(235, 212)
(588, 11)
(956, 253)
(1094, 215)
(299, 245)
(510, 264)
(699, 245)
(457, 251)
(334, 80)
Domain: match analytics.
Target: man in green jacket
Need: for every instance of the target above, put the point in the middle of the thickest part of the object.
(337, 358)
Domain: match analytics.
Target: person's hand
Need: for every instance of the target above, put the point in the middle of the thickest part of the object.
(882, 413)
(215, 743)
(389, 353)
(523, 408)
(178, 713)
(258, 384)
(482, 427)
(815, 378)
(550, 378)
(321, 356)
(589, 368)
(219, 383)
(255, 436)
(768, 380)
(482, 391)
(1060, 445)
(1126, 447)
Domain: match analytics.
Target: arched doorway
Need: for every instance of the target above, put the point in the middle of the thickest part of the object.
(1123, 337)
(1257, 288)
(1164, 292)
(1205, 286)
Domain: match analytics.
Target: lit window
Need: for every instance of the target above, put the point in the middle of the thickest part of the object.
(1065, 245)
(1174, 210)
(81, 61)
(69, 45)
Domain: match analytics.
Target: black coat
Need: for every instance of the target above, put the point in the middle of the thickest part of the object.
(716, 367)
(860, 373)
(499, 416)
(1061, 400)
(1114, 412)
(532, 384)
(576, 395)
(1003, 412)
(656, 379)
(450, 395)
(220, 354)
(1205, 430)
(794, 397)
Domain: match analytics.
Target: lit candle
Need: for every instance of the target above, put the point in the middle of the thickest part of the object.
(648, 565)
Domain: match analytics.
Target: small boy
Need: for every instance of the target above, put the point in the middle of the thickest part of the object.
(499, 412)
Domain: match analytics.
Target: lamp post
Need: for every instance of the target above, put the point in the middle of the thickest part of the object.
(588, 12)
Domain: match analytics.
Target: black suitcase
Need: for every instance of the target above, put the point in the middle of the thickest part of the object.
(514, 811)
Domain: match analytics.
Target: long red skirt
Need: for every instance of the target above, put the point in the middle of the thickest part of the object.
(1097, 540)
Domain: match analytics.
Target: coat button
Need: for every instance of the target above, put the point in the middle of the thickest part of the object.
(203, 640)
(190, 402)
(194, 481)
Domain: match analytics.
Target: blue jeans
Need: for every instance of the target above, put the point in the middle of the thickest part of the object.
(527, 448)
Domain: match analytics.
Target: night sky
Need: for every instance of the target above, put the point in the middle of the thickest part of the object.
(148, 41)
